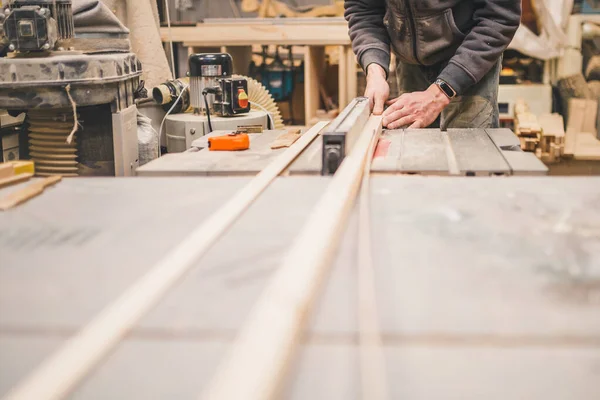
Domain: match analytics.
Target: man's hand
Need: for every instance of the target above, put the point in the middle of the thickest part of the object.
(377, 89)
(415, 110)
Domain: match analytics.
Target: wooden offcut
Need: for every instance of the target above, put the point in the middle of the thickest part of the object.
(286, 139)
(30, 191)
(11, 180)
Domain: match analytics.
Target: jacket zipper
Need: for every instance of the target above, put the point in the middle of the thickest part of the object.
(413, 30)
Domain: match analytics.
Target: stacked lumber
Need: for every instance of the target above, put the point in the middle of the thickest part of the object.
(581, 137)
(527, 127)
(552, 143)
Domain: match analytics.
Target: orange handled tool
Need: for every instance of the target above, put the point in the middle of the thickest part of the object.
(232, 142)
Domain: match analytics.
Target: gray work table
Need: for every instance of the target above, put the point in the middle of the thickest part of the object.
(488, 288)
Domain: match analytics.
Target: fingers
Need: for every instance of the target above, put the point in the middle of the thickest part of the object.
(416, 125)
(391, 101)
(395, 115)
(404, 121)
(392, 109)
(379, 102)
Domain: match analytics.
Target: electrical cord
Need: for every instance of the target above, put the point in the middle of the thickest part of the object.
(210, 129)
(168, 113)
(268, 114)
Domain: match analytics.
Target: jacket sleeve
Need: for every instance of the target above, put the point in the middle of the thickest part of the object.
(370, 39)
(496, 22)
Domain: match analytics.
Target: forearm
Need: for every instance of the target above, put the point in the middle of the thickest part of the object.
(370, 39)
(496, 23)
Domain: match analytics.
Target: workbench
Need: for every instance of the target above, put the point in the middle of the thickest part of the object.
(487, 287)
(481, 152)
(236, 35)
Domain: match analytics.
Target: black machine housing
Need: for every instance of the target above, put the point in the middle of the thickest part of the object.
(37, 25)
(211, 79)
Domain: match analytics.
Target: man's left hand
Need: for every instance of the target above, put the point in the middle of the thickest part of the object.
(415, 110)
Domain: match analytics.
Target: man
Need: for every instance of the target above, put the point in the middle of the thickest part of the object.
(449, 58)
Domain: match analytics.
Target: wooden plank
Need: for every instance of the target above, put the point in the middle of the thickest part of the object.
(552, 125)
(313, 72)
(11, 180)
(30, 191)
(261, 355)
(6, 170)
(343, 98)
(352, 70)
(286, 139)
(582, 118)
(281, 32)
(58, 375)
(372, 361)
(587, 147)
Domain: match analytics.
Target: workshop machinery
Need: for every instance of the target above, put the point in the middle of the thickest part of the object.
(79, 97)
(211, 99)
(464, 152)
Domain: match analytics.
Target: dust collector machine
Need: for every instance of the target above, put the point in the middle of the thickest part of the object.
(77, 90)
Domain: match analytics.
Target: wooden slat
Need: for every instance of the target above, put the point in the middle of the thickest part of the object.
(372, 362)
(314, 66)
(11, 180)
(58, 375)
(261, 355)
(323, 33)
(28, 192)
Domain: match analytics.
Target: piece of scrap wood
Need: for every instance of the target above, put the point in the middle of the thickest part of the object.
(286, 139)
(14, 179)
(28, 192)
(587, 147)
(6, 170)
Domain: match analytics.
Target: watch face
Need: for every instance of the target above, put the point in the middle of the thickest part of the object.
(446, 88)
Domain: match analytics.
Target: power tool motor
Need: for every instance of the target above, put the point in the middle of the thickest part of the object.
(37, 25)
(213, 89)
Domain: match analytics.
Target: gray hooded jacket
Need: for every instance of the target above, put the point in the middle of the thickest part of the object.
(467, 37)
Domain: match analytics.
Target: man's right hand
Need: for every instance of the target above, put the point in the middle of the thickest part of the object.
(378, 89)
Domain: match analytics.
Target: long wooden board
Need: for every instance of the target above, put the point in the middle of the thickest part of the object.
(58, 375)
(317, 32)
(262, 353)
(372, 361)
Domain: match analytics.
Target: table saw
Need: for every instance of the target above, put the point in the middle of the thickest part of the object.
(487, 287)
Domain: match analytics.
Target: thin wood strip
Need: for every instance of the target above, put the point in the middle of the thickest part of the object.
(261, 355)
(59, 374)
(11, 180)
(28, 192)
(372, 362)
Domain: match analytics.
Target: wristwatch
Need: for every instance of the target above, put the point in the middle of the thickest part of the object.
(446, 88)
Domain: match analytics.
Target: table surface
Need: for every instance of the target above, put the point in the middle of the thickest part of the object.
(425, 151)
(487, 287)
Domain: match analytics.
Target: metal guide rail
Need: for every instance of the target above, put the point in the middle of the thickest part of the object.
(341, 134)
